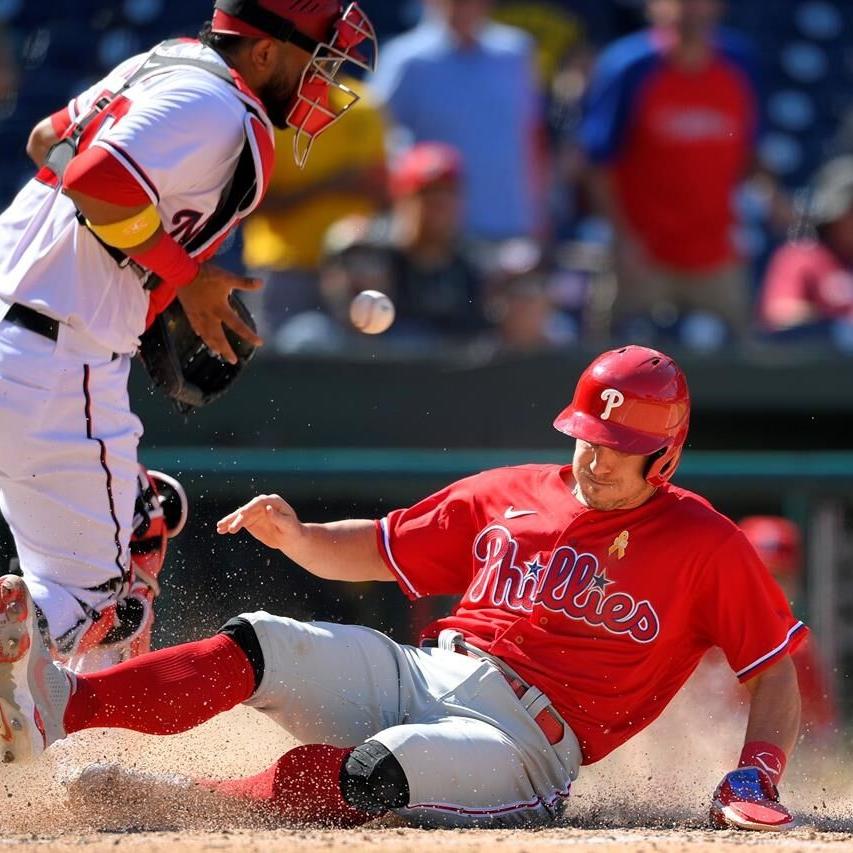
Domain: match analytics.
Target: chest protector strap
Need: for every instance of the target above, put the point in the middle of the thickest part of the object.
(240, 196)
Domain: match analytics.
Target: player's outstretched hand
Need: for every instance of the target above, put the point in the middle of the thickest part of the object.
(748, 799)
(269, 518)
(205, 302)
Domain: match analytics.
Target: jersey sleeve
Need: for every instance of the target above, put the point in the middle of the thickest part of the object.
(744, 610)
(427, 546)
(610, 98)
(170, 139)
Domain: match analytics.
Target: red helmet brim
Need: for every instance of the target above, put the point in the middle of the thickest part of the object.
(607, 433)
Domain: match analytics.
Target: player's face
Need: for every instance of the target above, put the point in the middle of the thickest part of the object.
(278, 91)
(607, 479)
(464, 17)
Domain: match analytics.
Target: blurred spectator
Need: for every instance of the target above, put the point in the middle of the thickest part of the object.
(556, 28)
(670, 125)
(345, 175)
(809, 282)
(9, 74)
(560, 29)
(462, 79)
(414, 256)
(521, 304)
(778, 543)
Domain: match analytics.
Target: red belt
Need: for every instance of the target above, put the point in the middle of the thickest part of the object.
(552, 727)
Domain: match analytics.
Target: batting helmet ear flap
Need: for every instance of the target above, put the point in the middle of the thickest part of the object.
(661, 465)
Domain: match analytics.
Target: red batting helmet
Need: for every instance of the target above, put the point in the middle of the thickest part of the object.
(635, 400)
(776, 540)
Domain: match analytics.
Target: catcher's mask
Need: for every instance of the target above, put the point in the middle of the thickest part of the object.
(332, 34)
(180, 363)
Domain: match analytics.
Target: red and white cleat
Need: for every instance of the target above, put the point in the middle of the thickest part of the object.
(34, 690)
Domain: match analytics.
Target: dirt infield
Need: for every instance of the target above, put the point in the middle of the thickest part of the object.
(650, 796)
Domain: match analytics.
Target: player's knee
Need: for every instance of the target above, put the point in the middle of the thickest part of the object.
(372, 779)
(242, 632)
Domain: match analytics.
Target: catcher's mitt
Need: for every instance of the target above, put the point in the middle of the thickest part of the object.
(180, 363)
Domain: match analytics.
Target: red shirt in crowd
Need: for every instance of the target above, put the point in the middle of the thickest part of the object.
(676, 141)
(607, 612)
(805, 283)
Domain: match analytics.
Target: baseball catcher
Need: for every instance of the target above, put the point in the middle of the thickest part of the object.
(589, 593)
(107, 252)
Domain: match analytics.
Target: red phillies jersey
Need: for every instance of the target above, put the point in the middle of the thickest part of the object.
(606, 612)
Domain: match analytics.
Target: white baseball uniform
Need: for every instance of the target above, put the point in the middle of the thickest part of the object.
(471, 749)
(68, 456)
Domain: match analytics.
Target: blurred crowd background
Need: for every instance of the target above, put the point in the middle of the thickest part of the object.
(530, 181)
(526, 174)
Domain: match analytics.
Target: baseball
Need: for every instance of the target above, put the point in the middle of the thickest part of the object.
(371, 312)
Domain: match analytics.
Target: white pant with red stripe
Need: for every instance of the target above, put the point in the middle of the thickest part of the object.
(68, 466)
(472, 754)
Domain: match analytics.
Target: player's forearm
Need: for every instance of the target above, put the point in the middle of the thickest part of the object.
(340, 550)
(774, 711)
(42, 138)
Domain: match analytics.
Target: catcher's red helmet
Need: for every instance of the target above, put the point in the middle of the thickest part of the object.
(334, 36)
(777, 541)
(259, 18)
(635, 400)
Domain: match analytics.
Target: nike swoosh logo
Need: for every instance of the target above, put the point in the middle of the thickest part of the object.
(771, 766)
(511, 512)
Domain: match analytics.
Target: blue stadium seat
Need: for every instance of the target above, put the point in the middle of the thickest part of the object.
(819, 20)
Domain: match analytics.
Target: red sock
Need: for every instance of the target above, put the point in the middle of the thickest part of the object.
(303, 786)
(164, 692)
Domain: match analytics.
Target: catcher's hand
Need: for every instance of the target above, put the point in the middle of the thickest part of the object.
(183, 366)
(269, 518)
(748, 799)
(205, 302)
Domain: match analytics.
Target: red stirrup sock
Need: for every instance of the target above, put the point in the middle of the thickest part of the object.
(164, 692)
(303, 786)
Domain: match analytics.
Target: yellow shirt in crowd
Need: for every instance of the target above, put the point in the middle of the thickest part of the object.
(294, 238)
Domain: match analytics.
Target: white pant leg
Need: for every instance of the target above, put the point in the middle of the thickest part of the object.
(468, 772)
(327, 683)
(473, 756)
(68, 468)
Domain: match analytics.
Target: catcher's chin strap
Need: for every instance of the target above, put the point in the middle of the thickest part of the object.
(241, 186)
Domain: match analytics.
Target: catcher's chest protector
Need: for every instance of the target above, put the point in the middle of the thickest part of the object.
(240, 196)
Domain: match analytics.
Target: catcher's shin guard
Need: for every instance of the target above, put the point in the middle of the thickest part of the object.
(122, 629)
